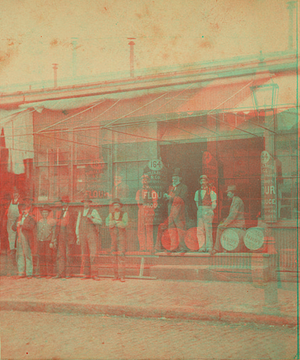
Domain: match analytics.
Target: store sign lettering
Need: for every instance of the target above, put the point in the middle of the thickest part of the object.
(268, 187)
(157, 181)
(96, 194)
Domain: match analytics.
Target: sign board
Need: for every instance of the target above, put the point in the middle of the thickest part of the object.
(268, 187)
(158, 182)
(254, 238)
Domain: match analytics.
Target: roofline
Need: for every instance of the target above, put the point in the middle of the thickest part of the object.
(285, 63)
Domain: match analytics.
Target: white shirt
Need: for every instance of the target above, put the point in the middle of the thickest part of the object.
(213, 197)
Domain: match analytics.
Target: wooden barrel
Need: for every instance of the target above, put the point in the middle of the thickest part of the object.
(194, 239)
(254, 238)
(232, 239)
(171, 238)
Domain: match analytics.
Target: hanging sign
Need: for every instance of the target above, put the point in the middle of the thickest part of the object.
(157, 181)
(268, 187)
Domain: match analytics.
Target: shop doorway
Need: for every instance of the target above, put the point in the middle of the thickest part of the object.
(187, 157)
(226, 162)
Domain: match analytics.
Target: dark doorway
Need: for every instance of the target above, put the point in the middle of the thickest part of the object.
(237, 163)
(187, 157)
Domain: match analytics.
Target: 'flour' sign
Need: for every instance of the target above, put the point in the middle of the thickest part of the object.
(268, 187)
(157, 181)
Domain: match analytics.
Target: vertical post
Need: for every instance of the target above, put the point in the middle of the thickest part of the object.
(72, 164)
(55, 66)
(291, 7)
(131, 44)
(74, 57)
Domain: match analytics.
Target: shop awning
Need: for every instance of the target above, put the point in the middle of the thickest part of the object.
(221, 95)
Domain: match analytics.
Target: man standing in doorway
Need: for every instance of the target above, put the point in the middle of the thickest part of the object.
(235, 219)
(176, 198)
(87, 236)
(206, 201)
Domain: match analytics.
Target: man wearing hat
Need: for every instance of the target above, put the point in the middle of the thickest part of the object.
(147, 203)
(206, 201)
(176, 198)
(117, 222)
(25, 226)
(235, 219)
(45, 234)
(64, 237)
(87, 236)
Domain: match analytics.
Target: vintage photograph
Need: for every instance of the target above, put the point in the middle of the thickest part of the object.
(149, 179)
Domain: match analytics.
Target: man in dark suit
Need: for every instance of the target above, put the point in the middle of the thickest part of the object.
(235, 219)
(176, 198)
(65, 237)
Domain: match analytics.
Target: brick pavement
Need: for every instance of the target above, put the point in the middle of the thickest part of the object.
(232, 302)
(66, 336)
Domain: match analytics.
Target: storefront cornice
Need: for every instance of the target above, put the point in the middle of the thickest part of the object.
(166, 80)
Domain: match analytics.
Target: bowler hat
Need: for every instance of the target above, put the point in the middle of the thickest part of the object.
(116, 201)
(203, 177)
(177, 172)
(45, 208)
(27, 199)
(231, 188)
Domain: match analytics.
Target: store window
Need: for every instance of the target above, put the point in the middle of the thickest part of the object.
(90, 165)
(286, 150)
(131, 156)
(287, 198)
(53, 165)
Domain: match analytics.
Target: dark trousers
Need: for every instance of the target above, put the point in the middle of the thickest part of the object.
(88, 244)
(161, 228)
(45, 258)
(118, 249)
(63, 256)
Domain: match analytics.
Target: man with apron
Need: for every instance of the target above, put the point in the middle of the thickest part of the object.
(12, 215)
(206, 200)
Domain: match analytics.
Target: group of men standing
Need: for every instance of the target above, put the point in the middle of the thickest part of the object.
(51, 233)
(206, 202)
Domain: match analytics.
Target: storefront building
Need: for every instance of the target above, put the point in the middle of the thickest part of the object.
(236, 123)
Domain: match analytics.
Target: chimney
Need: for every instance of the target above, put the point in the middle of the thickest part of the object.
(74, 56)
(131, 44)
(55, 74)
(291, 6)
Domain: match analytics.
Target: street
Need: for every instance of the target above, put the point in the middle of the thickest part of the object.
(33, 335)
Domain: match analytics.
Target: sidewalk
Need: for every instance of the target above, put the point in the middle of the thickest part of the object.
(233, 302)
